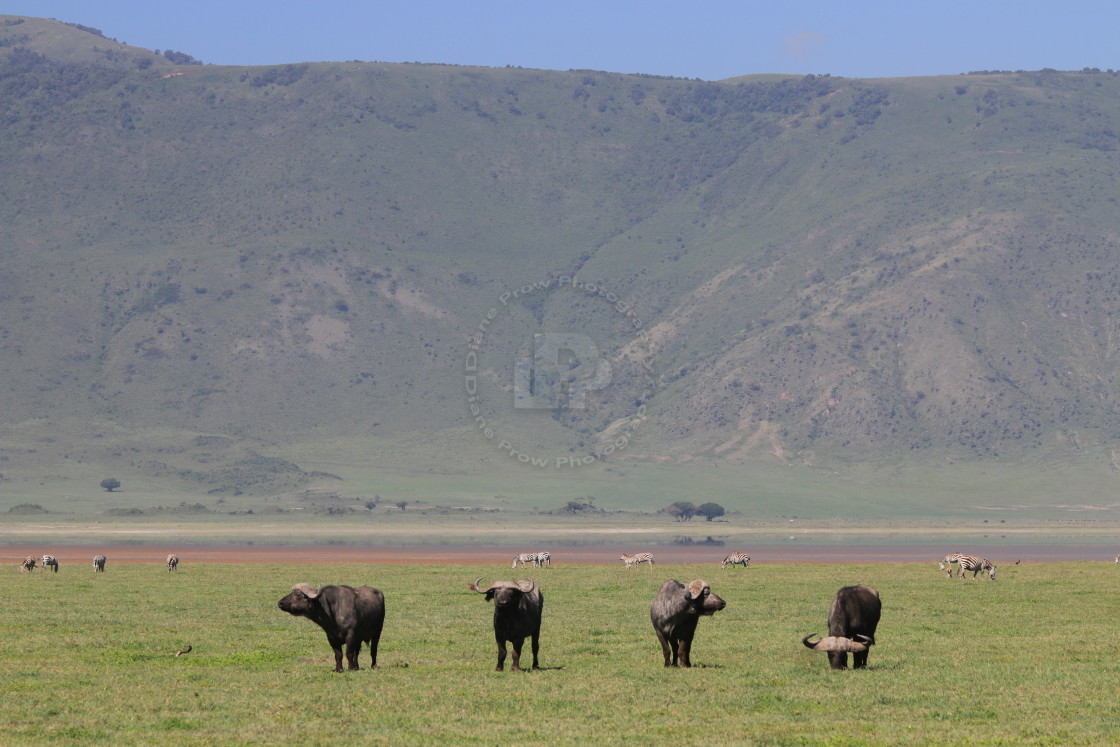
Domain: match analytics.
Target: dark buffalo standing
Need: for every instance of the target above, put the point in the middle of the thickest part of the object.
(346, 614)
(675, 612)
(517, 616)
(852, 620)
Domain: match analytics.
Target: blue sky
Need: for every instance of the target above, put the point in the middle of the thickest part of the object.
(709, 40)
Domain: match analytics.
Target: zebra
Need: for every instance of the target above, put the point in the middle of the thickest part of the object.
(28, 565)
(525, 558)
(975, 564)
(172, 563)
(736, 558)
(98, 563)
(946, 563)
(635, 559)
(544, 558)
(50, 561)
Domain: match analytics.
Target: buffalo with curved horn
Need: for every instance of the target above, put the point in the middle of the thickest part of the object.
(517, 616)
(675, 612)
(852, 620)
(346, 614)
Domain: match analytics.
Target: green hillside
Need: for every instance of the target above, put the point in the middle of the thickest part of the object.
(253, 281)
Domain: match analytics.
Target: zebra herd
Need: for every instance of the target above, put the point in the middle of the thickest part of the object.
(48, 561)
(538, 559)
(51, 562)
(963, 562)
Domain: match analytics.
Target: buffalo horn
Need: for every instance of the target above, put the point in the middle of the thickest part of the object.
(837, 643)
(306, 590)
(696, 588)
(476, 587)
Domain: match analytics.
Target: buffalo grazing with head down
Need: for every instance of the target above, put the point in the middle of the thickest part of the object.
(517, 616)
(852, 620)
(675, 612)
(346, 614)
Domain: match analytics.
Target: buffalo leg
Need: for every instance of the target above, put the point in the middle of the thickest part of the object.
(373, 641)
(665, 648)
(353, 648)
(501, 655)
(685, 649)
(536, 647)
(859, 659)
(337, 646)
(517, 643)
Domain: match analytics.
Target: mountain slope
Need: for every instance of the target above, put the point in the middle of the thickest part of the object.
(808, 269)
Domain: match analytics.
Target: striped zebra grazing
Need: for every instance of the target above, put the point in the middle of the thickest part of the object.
(525, 559)
(633, 560)
(544, 558)
(736, 558)
(946, 563)
(98, 563)
(50, 561)
(28, 565)
(172, 563)
(975, 564)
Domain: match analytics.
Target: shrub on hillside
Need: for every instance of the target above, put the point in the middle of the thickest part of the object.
(27, 508)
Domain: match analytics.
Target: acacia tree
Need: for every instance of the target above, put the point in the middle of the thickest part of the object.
(110, 484)
(710, 510)
(682, 510)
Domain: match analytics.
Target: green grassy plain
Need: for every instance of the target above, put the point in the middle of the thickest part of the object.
(462, 471)
(90, 658)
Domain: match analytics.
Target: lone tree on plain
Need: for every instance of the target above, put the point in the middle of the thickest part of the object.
(110, 484)
(710, 510)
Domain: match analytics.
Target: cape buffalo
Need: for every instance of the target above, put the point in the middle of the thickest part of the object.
(346, 614)
(676, 610)
(517, 616)
(852, 620)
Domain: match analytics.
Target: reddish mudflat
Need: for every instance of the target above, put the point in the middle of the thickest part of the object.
(488, 555)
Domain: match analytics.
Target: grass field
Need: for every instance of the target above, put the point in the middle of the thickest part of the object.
(90, 658)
